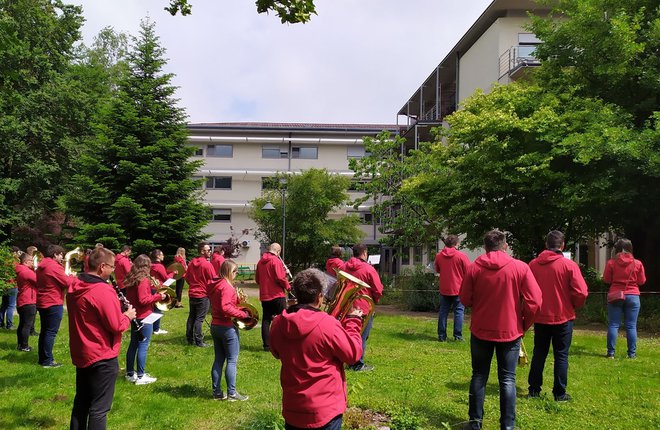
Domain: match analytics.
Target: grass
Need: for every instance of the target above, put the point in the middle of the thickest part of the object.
(416, 379)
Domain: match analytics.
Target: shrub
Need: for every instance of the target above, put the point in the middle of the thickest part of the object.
(419, 290)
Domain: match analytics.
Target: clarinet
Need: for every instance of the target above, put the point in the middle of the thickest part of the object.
(123, 301)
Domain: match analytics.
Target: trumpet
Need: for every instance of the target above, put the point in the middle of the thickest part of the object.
(340, 300)
(170, 295)
(253, 314)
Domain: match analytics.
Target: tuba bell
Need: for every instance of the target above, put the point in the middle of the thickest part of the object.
(341, 297)
(72, 257)
(253, 314)
(170, 295)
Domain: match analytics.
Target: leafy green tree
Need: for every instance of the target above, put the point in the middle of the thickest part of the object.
(7, 271)
(289, 11)
(134, 183)
(43, 109)
(311, 230)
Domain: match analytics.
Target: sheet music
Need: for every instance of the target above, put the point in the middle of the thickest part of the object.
(152, 318)
(169, 282)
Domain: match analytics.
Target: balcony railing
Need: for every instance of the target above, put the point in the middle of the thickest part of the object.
(516, 58)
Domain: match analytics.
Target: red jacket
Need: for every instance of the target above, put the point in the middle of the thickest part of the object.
(365, 272)
(182, 261)
(216, 262)
(224, 301)
(26, 281)
(122, 266)
(504, 297)
(313, 347)
(199, 274)
(52, 283)
(271, 277)
(624, 273)
(451, 265)
(142, 298)
(95, 321)
(562, 286)
(158, 271)
(332, 264)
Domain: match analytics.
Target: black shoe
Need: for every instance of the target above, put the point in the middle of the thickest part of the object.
(267, 348)
(24, 348)
(34, 333)
(51, 365)
(563, 398)
(533, 394)
(219, 396)
(202, 345)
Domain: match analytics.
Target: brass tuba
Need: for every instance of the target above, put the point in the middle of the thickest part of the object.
(340, 300)
(170, 295)
(70, 258)
(253, 313)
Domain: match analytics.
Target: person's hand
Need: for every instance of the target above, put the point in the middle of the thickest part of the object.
(130, 312)
(356, 312)
(163, 296)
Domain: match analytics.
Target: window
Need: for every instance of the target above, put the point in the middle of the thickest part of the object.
(405, 256)
(221, 215)
(218, 183)
(269, 183)
(305, 152)
(226, 151)
(417, 255)
(357, 185)
(199, 181)
(199, 151)
(356, 152)
(528, 39)
(274, 151)
(366, 218)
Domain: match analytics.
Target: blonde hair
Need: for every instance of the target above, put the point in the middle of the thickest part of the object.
(139, 270)
(181, 252)
(226, 269)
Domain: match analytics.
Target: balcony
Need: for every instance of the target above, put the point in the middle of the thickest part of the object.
(515, 61)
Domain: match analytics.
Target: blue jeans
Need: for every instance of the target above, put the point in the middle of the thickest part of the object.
(139, 348)
(627, 309)
(365, 337)
(157, 323)
(507, 360)
(446, 303)
(226, 343)
(333, 424)
(8, 308)
(560, 335)
(51, 318)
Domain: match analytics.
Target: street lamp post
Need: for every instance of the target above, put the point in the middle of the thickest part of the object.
(269, 207)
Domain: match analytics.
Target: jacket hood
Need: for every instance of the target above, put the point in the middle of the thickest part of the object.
(267, 256)
(624, 259)
(46, 263)
(21, 268)
(197, 262)
(548, 256)
(493, 260)
(85, 282)
(448, 252)
(353, 264)
(299, 321)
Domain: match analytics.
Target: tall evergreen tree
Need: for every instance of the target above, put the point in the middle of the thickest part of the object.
(135, 184)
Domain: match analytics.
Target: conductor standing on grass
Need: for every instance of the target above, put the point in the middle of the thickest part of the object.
(451, 265)
(505, 298)
(564, 291)
(313, 347)
(95, 327)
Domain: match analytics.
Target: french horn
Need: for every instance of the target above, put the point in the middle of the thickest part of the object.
(253, 314)
(72, 257)
(341, 297)
(170, 295)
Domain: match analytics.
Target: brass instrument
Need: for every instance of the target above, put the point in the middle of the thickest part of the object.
(253, 313)
(340, 300)
(72, 257)
(523, 358)
(170, 295)
(178, 268)
(36, 258)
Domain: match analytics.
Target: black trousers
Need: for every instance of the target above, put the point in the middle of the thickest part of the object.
(199, 307)
(95, 387)
(26, 315)
(179, 289)
(271, 309)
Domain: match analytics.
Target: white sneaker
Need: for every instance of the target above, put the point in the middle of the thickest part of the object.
(132, 377)
(145, 379)
(161, 331)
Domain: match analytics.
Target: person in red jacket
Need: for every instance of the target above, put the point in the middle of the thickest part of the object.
(160, 274)
(52, 283)
(271, 277)
(358, 267)
(139, 294)
(26, 281)
(451, 265)
(564, 290)
(199, 274)
(226, 341)
(505, 299)
(96, 323)
(313, 348)
(180, 257)
(217, 259)
(334, 262)
(624, 274)
(122, 266)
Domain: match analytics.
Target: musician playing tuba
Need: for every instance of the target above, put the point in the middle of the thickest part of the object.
(225, 306)
(271, 276)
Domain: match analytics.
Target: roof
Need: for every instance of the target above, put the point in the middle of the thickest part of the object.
(296, 126)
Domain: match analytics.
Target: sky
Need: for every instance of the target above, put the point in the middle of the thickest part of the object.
(357, 61)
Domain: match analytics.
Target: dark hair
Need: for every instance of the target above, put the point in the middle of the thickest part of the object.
(450, 241)
(337, 252)
(201, 246)
(494, 240)
(307, 285)
(155, 254)
(24, 257)
(139, 270)
(100, 256)
(359, 249)
(125, 248)
(15, 249)
(53, 250)
(623, 245)
(555, 239)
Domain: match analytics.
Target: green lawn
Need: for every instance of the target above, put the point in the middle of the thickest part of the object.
(413, 371)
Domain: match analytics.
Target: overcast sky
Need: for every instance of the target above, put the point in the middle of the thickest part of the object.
(357, 61)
